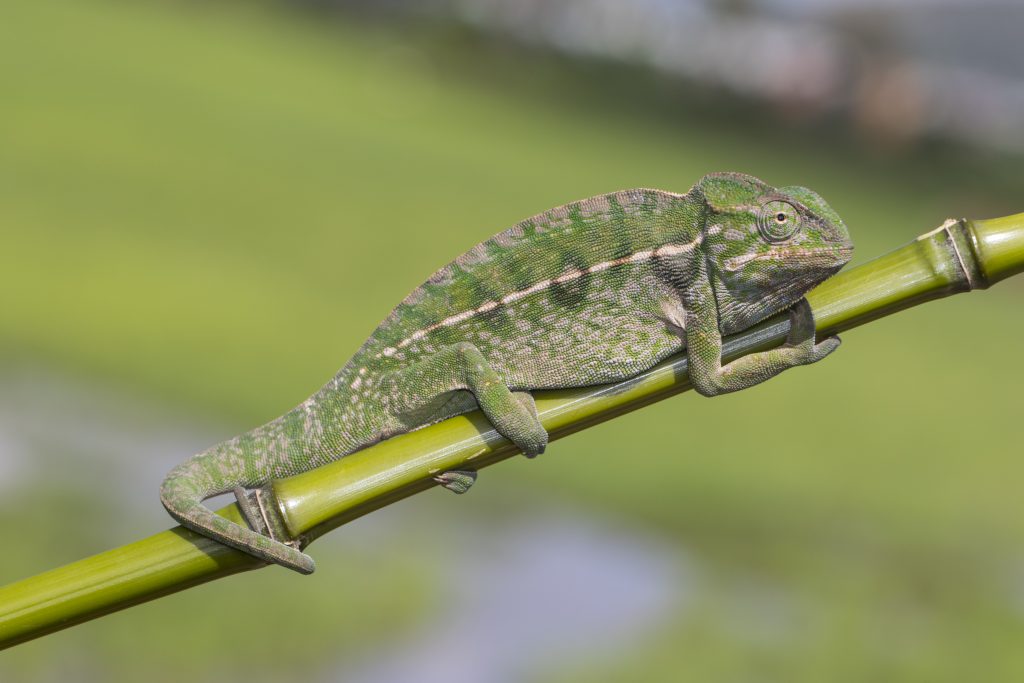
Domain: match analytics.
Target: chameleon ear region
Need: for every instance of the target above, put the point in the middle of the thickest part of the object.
(729, 191)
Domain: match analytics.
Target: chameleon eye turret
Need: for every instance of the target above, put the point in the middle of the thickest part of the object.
(595, 291)
(778, 220)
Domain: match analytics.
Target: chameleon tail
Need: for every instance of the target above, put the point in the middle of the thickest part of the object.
(182, 494)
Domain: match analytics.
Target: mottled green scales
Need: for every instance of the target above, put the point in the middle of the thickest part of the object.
(595, 291)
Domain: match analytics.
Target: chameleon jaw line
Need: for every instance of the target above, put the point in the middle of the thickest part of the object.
(777, 253)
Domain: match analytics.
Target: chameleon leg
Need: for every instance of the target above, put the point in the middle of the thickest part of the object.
(525, 399)
(462, 367)
(248, 510)
(182, 494)
(456, 481)
(704, 353)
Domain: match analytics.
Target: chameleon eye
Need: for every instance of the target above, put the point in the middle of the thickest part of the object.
(778, 220)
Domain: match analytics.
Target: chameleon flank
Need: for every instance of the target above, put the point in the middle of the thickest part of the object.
(595, 291)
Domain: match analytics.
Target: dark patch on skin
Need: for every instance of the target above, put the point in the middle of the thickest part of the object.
(497, 317)
(459, 295)
(679, 270)
(513, 274)
(571, 294)
(617, 215)
(518, 275)
(622, 246)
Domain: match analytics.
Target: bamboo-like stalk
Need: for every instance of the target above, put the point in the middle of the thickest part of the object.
(958, 256)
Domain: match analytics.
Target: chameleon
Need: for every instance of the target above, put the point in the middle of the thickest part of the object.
(592, 292)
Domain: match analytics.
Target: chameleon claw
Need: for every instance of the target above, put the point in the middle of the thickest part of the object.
(456, 481)
(249, 505)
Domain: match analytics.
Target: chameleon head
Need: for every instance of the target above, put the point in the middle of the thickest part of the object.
(767, 247)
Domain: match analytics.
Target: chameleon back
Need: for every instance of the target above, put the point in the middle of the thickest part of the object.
(569, 297)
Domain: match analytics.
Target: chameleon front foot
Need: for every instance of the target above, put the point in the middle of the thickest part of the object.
(802, 335)
(528, 433)
(710, 377)
(456, 481)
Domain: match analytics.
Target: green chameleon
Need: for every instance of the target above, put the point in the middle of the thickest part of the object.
(592, 292)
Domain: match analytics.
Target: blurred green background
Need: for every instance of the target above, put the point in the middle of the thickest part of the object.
(205, 208)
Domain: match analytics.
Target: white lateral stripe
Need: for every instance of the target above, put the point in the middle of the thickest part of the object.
(514, 296)
(641, 256)
(775, 253)
(637, 257)
(676, 249)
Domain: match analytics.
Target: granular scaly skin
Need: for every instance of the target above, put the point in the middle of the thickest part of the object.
(595, 291)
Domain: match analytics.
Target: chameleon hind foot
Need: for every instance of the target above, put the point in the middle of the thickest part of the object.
(513, 413)
(456, 481)
(251, 507)
(462, 367)
(181, 499)
(268, 525)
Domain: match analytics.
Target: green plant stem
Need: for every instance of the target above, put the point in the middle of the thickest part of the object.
(957, 257)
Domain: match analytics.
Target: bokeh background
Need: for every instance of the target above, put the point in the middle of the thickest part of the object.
(206, 206)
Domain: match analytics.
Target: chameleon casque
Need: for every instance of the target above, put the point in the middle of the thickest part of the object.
(595, 291)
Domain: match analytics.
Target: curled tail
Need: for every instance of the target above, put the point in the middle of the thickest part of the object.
(182, 494)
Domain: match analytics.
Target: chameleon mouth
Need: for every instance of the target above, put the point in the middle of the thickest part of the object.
(834, 254)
